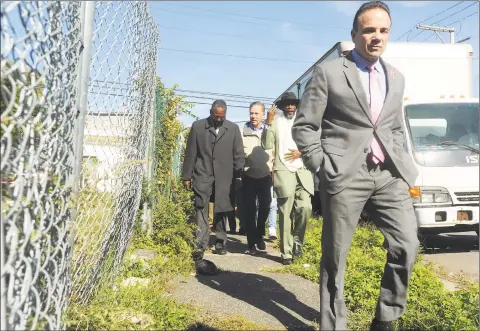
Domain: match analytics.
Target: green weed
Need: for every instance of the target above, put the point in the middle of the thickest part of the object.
(429, 305)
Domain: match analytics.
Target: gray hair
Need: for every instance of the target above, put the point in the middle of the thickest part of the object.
(257, 103)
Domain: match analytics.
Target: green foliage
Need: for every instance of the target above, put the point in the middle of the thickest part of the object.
(131, 308)
(429, 305)
(169, 134)
(172, 233)
(146, 308)
(171, 241)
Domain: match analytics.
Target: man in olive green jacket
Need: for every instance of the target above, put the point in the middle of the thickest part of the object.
(293, 183)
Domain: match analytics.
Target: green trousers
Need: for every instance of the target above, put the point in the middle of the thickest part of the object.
(298, 207)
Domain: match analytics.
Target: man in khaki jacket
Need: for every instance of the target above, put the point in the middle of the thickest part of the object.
(257, 179)
(293, 183)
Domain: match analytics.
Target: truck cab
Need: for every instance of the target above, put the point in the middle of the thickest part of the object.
(440, 126)
(442, 139)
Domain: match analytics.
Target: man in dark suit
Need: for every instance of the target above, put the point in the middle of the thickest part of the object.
(213, 159)
(356, 103)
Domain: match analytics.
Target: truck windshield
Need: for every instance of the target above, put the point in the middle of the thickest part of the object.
(433, 124)
(444, 134)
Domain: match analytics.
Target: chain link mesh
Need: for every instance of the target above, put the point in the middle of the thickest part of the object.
(39, 58)
(117, 134)
(40, 63)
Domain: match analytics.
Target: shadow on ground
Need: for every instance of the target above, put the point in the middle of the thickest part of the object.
(236, 246)
(265, 294)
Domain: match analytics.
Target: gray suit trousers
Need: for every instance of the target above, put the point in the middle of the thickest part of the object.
(386, 196)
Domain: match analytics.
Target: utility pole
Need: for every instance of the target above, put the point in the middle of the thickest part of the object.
(437, 29)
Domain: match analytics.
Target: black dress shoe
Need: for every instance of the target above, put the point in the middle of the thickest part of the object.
(242, 232)
(206, 268)
(287, 261)
(261, 245)
(220, 248)
(251, 251)
(232, 232)
(297, 250)
(197, 254)
(381, 326)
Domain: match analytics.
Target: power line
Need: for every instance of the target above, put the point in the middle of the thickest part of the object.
(450, 24)
(463, 18)
(437, 14)
(230, 20)
(239, 36)
(211, 98)
(445, 19)
(206, 103)
(192, 102)
(257, 17)
(209, 17)
(232, 55)
(96, 83)
(226, 94)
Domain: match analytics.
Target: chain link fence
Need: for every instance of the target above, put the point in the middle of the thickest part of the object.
(77, 115)
(118, 129)
(40, 47)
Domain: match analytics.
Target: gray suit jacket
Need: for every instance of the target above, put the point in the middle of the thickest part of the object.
(333, 128)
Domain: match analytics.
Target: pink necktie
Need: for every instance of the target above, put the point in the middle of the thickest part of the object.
(376, 104)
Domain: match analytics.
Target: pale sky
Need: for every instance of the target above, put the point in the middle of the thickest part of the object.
(299, 32)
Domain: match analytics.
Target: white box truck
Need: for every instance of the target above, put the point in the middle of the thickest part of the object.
(441, 129)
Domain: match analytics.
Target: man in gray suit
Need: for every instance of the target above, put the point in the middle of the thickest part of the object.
(356, 103)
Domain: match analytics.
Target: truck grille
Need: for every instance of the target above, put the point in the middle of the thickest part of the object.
(467, 196)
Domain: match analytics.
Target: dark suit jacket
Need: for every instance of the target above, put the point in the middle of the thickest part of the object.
(213, 158)
(335, 103)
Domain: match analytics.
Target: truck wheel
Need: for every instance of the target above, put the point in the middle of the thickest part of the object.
(421, 237)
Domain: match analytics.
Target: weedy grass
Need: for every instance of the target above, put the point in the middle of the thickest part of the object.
(145, 303)
(429, 305)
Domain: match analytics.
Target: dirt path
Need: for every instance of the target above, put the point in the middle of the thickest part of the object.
(243, 288)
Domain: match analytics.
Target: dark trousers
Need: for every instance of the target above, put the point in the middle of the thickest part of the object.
(232, 215)
(240, 209)
(232, 221)
(316, 204)
(253, 189)
(203, 226)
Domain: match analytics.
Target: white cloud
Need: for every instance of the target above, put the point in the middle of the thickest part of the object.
(413, 4)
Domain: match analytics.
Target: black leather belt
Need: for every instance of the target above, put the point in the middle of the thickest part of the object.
(381, 165)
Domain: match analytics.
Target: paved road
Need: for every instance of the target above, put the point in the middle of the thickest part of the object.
(456, 252)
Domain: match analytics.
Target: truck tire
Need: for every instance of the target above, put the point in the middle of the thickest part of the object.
(421, 237)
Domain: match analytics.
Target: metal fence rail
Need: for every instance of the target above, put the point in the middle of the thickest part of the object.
(78, 109)
(39, 58)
